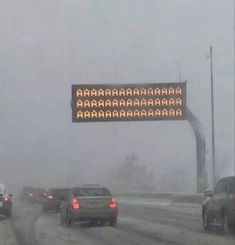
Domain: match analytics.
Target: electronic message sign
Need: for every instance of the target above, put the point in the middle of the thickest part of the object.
(129, 102)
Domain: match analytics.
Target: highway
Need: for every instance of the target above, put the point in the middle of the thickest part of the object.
(140, 221)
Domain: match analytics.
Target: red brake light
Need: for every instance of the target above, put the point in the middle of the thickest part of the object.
(75, 203)
(50, 197)
(113, 203)
(6, 199)
(31, 194)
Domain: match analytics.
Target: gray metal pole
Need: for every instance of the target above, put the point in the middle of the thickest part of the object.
(212, 121)
(200, 150)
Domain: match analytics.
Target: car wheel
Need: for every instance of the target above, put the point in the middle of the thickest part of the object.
(113, 221)
(102, 222)
(8, 214)
(67, 220)
(206, 220)
(223, 222)
(225, 225)
(61, 219)
(231, 227)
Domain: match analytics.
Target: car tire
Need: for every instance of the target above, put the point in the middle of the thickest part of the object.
(9, 214)
(113, 221)
(206, 220)
(231, 227)
(102, 222)
(225, 225)
(67, 220)
(223, 222)
(61, 219)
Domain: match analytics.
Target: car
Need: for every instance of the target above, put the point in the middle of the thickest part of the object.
(218, 208)
(90, 203)
(53, 199)
(5, 202)
(33, 194)
(27, 193)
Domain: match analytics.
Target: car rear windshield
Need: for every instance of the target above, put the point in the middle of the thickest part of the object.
(91, 192)
(58, 192)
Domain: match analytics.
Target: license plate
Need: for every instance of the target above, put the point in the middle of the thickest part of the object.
(95, 205)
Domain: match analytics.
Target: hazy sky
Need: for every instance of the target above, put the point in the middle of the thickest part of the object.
(47, 45)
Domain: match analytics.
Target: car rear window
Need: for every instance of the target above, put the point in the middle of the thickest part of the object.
(91, 192)
(59, 192)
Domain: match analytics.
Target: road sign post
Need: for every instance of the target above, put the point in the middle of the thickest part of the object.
(139, 102)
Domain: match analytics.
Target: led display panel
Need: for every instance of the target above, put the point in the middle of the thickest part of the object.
(128, 102)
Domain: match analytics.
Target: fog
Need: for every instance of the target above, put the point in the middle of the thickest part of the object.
(46, 46)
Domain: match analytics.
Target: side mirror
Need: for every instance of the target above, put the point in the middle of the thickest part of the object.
(208, 193)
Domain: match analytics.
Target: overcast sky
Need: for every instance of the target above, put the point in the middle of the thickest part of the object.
(45, 46)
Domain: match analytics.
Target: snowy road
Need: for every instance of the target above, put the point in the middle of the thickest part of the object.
(140, 222)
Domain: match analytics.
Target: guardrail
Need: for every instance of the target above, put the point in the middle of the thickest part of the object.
(145, 195)
(174, 197)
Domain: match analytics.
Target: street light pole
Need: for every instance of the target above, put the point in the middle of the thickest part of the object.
(212, 120)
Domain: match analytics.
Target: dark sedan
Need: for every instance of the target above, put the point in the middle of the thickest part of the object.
(90, 204)
(53, 199)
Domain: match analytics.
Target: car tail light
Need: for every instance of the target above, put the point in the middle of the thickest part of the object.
(50, 197)
(113, 203)
(75, 203)
(6, 199)
(31, 194)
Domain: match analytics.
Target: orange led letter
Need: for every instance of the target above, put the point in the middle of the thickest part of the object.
(93, 92)
(79, 103)
(178, 101)
(172, 112)
(165, 113)
(129, 92)
(136, 91)
(178, 90)
(143, 91)
(164, 101)
(108, 114)
(150, 91)
(94, 114)
(79, 114)
(171, 101)
(86, 114)
(157, 101)
(178, 112)
(86, 92)
(93, 103)
(171, 91)
(129, 113)
(79, 92)
(129, 102)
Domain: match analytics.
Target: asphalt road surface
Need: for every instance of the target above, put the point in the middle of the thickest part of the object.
(140, 222)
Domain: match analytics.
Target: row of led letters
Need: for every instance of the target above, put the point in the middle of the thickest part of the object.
(129, 113)
(129, 102)
(128, 91)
